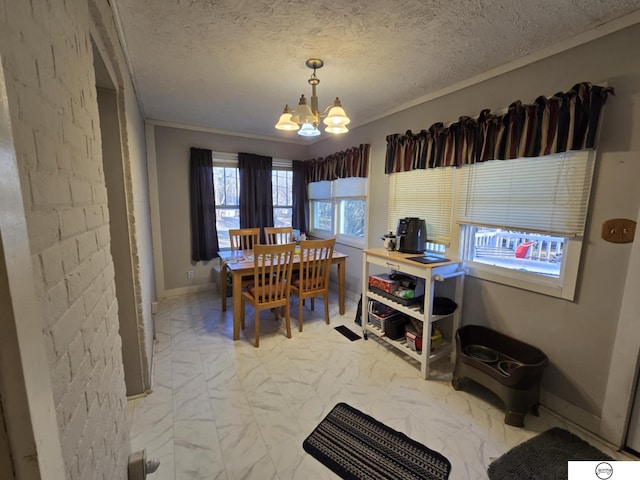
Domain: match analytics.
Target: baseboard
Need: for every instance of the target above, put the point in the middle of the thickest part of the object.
(213, 288)
(174, 292)
(137, 396)
(570, 412)
(352, 296)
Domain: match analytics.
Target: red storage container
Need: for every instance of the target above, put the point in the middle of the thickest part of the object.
(383, 282)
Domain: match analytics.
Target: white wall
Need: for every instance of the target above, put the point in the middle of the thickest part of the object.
(51, 88)
(577, 336)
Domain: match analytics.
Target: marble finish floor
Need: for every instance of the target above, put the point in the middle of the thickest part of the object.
(227, 410)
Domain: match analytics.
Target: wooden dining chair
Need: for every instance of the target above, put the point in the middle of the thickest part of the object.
(244, 238)
(271, 284)
(278, 235)
(239, 239)
(313, 280)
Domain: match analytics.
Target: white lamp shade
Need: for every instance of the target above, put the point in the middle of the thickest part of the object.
(337, 115)
(286, 124)
(303, 113)
(308, 130)
(336, 129)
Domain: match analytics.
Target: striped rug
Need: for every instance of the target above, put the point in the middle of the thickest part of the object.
(356, 446)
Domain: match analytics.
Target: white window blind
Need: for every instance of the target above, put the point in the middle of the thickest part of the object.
(320, 190)
(340, 188)
(545, 194)
(350, 187)
(424, 194)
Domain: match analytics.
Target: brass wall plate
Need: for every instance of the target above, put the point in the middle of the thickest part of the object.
(619, 230)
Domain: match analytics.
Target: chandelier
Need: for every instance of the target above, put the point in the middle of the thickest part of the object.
(306, 119)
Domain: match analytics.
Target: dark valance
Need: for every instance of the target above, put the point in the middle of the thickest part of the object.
(565, 121)
(353, 162)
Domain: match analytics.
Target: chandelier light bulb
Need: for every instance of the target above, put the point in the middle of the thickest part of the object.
(336, 129)
(308, 130)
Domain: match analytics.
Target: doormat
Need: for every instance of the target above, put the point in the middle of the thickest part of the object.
(544, 457)
(351, 335)
(356, 446)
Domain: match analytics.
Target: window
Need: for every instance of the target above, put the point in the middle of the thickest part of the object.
(522, 221)
(338, 208)
(282, 181)
(425, 194)
(226, 187)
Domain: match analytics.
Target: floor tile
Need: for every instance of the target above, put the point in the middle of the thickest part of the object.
(227, 410)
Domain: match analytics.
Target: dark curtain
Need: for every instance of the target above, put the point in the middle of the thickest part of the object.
(300, 200)
(565, 121)
(204, 236)
(256, 202)
(353, 162)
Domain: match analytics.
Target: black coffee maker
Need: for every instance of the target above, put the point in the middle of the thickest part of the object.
(411, 235)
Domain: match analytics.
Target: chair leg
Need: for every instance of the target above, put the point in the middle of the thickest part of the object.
(287, 319)
(313, 303)
(257, 322)
(326, 308)
(301, 305)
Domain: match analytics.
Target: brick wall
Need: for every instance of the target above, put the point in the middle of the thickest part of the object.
(47, 55)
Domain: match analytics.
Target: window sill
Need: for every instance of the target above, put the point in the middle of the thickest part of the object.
(355, 242)
(526, 281)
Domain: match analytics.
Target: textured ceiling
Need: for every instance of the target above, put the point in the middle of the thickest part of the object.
(233, 64)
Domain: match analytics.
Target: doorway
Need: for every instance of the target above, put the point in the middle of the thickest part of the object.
(119, 228)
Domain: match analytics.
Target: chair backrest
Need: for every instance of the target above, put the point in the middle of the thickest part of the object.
(315, 264)
(272, 272)
(244, 238)
(278, 235)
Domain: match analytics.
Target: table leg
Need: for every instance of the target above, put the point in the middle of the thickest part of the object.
(222, 282)
(342, 280)
(237, 303)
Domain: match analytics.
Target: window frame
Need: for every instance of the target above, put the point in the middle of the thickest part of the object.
(419, 198)
(336, 192)
(281, 166)
(230, 160)
(222, 160)
(563, 286)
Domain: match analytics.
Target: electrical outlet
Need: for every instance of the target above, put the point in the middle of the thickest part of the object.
(190, 274)
(619, 230)
(154, 307)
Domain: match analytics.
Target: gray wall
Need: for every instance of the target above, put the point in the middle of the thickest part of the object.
(172, 166)
(577, 336)
(172, 163)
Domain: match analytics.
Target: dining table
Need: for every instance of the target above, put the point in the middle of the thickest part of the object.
(241, 264)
